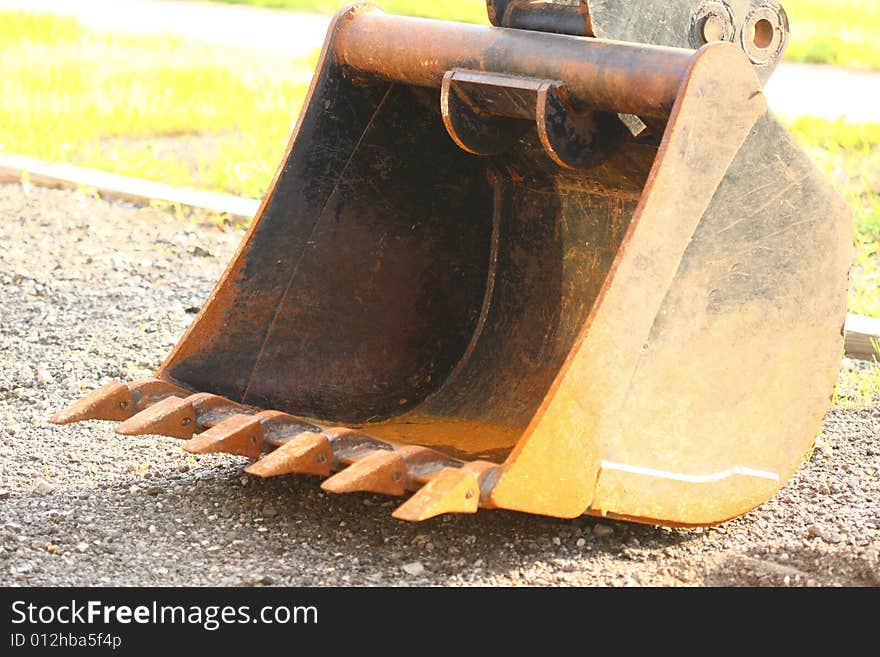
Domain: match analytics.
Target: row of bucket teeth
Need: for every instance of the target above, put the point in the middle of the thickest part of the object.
(361, 463)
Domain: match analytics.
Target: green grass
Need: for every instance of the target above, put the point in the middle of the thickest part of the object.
(839, 32)
(102, 100)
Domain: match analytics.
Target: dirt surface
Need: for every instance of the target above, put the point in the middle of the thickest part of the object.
(93, 291)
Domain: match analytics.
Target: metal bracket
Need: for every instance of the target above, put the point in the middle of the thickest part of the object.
(759, 27)
(487, 113)
(561, 17)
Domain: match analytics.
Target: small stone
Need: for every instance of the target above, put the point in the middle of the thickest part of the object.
(44, 375)
(265, 580)
(4, 494)
(151, 529)
(603, 530)
(51, 547)
(154, 490)
(581, 542)
(415, 568)
(43, 487)
(82, 546)
(557, 540)
(134, 490)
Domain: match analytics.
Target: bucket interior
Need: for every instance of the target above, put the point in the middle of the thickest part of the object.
(410, 287)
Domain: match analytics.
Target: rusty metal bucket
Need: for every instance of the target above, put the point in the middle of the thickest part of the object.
(507, 268)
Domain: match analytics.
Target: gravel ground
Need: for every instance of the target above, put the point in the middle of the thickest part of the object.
(93, 291)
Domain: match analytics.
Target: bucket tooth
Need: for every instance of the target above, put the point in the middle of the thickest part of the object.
(241, 435)
(382, 472)
(173, 417)
(452, 490)
(352, 445)
(279, 428)
(111, 402)
(119, 401)
(308, 453)
(213, 409)
(423, 463)
(147, 392)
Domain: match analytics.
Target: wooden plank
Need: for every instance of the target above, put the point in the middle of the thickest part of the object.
(860, 332)
(64, 176)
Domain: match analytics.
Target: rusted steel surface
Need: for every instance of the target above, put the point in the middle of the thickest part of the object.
(598, 74)
(556, 17)
(531, 270)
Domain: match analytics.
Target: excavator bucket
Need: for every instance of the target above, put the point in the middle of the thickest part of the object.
(566, 264)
